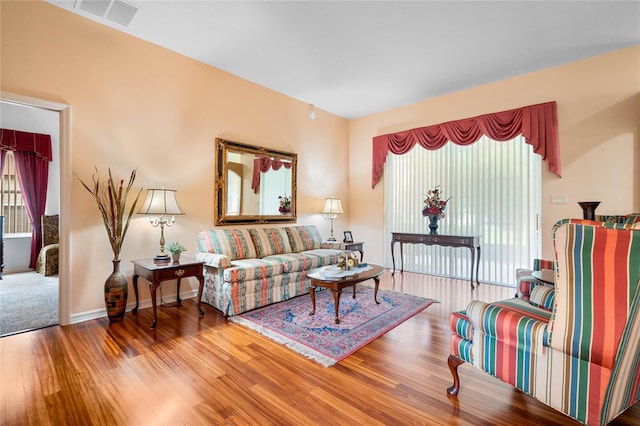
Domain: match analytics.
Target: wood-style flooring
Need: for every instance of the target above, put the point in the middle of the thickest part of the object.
(199, 371)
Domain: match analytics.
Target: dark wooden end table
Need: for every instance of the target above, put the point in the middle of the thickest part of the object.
(336, 285)
(355, 246)
(157, 272)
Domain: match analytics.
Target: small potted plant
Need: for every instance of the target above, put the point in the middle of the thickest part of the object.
(175, 249)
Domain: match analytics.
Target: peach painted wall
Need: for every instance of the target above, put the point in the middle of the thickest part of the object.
(136, 105)
(599, 119)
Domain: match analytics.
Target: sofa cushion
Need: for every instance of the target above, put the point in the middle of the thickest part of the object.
(543, 296)
(309, 259)
(235, 243)
(251, 269)
(270, 241)
(304, 238)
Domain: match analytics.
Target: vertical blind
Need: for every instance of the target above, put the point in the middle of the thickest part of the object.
(495, 193)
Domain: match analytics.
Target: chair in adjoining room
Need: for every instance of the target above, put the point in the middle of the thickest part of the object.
(47, 263)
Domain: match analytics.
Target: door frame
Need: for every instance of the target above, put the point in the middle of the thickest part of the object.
(64, 111)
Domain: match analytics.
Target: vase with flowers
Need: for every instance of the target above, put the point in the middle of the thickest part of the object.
(111, 198)
(434, 207)
(285, 204)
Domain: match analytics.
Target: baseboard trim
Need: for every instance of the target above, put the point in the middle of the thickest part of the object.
(102, 313)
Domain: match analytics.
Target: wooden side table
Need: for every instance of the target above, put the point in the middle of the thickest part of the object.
(157, 272)
(355, 246)
(472, 242)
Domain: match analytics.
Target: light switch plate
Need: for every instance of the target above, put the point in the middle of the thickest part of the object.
(559, 199)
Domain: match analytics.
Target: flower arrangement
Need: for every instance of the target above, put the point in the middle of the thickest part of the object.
(111, 198)
(434, 204)
(285, 204)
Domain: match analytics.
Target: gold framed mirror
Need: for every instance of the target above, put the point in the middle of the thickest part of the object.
(254, 184)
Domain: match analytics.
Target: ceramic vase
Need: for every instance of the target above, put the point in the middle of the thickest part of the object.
(589, 209)
(116, 289)
(433, 223)
(175, 257)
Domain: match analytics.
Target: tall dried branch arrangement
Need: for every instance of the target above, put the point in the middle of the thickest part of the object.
(111, 198)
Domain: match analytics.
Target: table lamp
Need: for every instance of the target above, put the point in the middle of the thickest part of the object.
(162, 205)
(332, 208)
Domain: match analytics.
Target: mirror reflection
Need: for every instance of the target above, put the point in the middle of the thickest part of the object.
(254, 184)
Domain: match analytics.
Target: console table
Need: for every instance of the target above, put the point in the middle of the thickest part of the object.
(470, 242)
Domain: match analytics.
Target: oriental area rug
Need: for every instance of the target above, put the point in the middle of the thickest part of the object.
(318, 336)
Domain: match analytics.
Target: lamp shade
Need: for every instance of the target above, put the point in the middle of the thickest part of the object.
(332, 206)
(161, 202)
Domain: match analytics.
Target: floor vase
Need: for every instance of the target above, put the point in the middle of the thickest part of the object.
(116, 289)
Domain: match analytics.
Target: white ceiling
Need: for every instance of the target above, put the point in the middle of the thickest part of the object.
(354, 58)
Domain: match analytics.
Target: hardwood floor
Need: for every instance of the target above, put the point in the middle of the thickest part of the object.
(211, 371)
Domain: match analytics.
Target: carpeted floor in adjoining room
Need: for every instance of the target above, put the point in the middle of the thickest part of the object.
(28, 301)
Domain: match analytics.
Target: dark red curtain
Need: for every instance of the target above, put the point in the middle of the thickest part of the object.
(537, 123)
(32, 153)
(263, 164)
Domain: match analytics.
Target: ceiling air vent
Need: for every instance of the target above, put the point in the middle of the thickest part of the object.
(117, 11)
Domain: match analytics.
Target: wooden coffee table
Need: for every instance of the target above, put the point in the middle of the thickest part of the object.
(336, 284)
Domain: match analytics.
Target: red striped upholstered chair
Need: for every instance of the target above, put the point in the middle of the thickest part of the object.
(581, 357)
(525, 281)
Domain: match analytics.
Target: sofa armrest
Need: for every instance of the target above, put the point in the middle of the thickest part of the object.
(512, 320)
(214, 259)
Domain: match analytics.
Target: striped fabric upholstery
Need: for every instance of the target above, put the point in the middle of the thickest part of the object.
(582, 357)
(525, 281)
(462, 334)
(249, 268)
(235, 243)
(241, 296)
(308, 259)
(270, 241)
(543, 296)
(628, 219)
(593, 316)
(304, 238)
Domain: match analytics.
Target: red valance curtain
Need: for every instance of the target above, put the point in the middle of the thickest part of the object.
(32, 154)
(263, 164)
(15, 140)
(537, 123)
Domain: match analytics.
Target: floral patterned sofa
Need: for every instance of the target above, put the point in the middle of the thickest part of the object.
(252, 267)
(574, 347)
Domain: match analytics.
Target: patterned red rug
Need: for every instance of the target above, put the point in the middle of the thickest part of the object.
(319, 337)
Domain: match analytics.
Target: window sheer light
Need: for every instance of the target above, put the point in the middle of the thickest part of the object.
(496, 193)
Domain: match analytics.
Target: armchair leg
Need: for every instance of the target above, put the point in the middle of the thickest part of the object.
(454, 362)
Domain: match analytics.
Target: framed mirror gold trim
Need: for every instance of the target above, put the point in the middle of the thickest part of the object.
(254, 184)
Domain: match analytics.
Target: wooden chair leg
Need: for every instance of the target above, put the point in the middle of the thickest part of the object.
(454, 362)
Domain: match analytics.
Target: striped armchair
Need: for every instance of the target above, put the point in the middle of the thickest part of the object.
(576, 350)
(525, 281)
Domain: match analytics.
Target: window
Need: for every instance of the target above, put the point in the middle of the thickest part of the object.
(12, 208)
(495, 190)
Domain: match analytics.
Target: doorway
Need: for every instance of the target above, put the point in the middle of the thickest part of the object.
(25, 109)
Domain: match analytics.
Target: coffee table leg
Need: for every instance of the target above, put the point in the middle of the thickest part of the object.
(336, 301)
(312, 292)
(375, 291)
